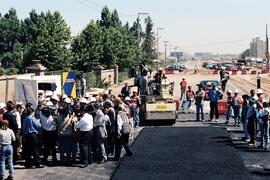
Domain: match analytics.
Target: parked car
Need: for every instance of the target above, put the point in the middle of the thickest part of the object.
(203, 83)
(205, 64)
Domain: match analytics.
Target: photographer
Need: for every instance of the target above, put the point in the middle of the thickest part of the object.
(48, 125)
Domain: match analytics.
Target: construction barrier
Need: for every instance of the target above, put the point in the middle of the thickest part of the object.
(222, 107)
(244, 72)
(253, 72)
(169, 71)
(177, 104)
(265, 71)
(234, 72)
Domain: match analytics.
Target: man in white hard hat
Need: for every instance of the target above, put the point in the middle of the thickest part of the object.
(55, 100)
(87, 96)
(229, 106)
(2, 110)
(260, 99)
(84, 102)
(237, 108)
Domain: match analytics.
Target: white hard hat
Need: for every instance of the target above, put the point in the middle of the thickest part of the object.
(49, 103)
(127, 99)
(236, 92)
(93, 99)
(55, 97)
(259, 91)
(184, 78)
(67, 100)
(223, 68)
(86, 95)
(49, 93)
(229, 91)
(64, 96)
(47, 99)
(2, 105)
(83, 100)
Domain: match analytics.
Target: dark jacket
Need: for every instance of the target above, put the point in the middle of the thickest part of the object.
(125, 91)
(10, 116)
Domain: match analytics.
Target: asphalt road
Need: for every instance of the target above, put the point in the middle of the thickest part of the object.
(183, 153)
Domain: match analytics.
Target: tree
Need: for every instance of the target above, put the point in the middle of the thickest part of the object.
(245, 54)
(115, 21)
(87, 47)
(105, 21)
(51, 38)
(148, 46)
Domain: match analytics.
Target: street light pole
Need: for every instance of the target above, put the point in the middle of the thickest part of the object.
(267, 51)
(158, 46)
(138, 22)
(166, 42)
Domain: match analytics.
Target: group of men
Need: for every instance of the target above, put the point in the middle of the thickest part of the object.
(251, 110)
(96, 127)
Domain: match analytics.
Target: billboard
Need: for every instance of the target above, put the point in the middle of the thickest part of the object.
(69, 83)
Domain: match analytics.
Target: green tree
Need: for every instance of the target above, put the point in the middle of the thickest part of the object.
(148, 46)
(105, 21)
(87, 47)
(51, 38)
(115, 21)
(245, 54)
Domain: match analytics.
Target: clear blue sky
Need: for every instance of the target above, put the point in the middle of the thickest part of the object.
(190, 24)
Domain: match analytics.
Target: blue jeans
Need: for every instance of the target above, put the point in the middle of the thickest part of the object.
(6, 150)
(199, 109)
(237, 114)
(184, 102)
(65, 146)
(264, 127)
(245, 125)
(228, 114)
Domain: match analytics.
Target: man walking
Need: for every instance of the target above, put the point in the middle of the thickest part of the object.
(214, 95)
(229, 106)
(199, 97)
(259, 76)
(183, 85)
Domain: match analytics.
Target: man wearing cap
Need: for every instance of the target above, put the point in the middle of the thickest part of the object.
(100, 134)
(214, 95)
(229, 106)
(135, 100)
(2, 110)
(48, 125)
(85, 124)
(251, 121)
(130, 108)
(125, 90)
(199, 95)
(237, 108)
(189, 97)
(207, 89)
(224, 81)
(158, 77)
(183, 85)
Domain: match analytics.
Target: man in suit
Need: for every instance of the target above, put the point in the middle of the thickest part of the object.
(100, 133)
(125, 90)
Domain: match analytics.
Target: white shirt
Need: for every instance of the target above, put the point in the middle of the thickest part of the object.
(119, 123)
(235, 101)
(47, 123)
(18, 119)
(86, 123)
(259, 76)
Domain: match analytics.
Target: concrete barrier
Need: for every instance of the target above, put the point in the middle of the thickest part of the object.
(253, 72)
(244, 72)
(234, 72)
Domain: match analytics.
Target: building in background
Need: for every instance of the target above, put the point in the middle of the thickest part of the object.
(178, 55)
(203, 54)
(257, 48)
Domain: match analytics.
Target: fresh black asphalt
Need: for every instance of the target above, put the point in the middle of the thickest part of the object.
(188, 153)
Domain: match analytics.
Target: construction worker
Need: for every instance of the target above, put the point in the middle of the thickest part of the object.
(208, 88)
(199, 95)
(158, 77)
(237, 108)
(144, 77)
(214, 95)
(229, 106)
(183, 85)
(259, 76)
(189, 97)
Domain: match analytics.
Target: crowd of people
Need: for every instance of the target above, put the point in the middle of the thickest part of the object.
(95, 126)
(252, 110)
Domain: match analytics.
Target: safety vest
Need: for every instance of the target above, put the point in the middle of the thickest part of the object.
(183, 84)
(239, 101)
(190, 94)
(260, 99)
(206, 93)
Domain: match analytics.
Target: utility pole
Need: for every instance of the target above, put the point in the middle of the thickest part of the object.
(158, 46)
(267, 51)
(138, 22)
(166, 42)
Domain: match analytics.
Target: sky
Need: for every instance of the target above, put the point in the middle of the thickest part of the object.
(216, 26)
